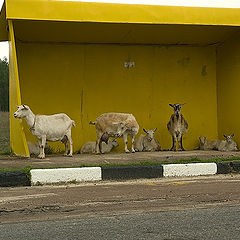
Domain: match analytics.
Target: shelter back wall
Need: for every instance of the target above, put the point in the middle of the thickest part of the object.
(87, 80)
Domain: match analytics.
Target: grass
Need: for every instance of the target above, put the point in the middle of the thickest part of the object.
(4, 134)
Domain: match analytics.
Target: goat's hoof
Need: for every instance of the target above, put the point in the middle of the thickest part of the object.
(127, 151)
(41, 156)
(133, 151)
(181, 149)
(69, 155)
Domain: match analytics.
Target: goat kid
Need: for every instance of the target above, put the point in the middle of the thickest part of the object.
(90, 147)
(208, 145)
(220, 145)
(147, 143)
(228, 145)
(56, 127)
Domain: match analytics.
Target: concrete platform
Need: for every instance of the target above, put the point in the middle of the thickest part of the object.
(111, 158)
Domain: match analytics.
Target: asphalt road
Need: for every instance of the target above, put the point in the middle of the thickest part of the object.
(217, 223)
(176, 209)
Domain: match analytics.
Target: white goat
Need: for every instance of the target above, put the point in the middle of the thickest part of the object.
(115, 125)
(228, 145)
(90, 147)
(147, 143)
(56, 127)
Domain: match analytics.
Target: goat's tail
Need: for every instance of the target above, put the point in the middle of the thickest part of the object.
(93, 123)
(73, 123)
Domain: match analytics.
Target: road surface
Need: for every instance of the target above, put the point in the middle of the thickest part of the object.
(173, 208)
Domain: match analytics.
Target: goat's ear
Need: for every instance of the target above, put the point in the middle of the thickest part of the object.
(225, 136)
(25, 107)
(154, 130)
(144, 130)
(171, 105)
(232, 135)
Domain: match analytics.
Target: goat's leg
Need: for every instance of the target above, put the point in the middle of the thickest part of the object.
(42, 143)
(133, 143)
(70, 143)
(180, 144)
(66, 148)
(71, 147)
(65, 142)
(174, 140)
(97, 149)
(125, 142)
(100, 146)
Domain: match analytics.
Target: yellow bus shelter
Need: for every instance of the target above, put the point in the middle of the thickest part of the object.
(85, 59)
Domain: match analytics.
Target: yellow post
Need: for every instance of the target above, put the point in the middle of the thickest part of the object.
(18, 141)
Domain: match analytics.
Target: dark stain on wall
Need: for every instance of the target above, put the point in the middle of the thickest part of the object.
(184, 61)
(204, 70)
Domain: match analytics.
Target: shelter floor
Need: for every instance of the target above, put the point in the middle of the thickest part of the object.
(110, 158)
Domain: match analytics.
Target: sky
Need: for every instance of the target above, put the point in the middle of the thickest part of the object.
(189, 3)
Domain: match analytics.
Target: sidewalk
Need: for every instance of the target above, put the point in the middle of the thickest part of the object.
(110, 158)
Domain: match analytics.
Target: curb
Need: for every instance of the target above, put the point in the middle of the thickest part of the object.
(132, 172)
(84, 174)
(46, 176)
(14, 179)
(190, 169)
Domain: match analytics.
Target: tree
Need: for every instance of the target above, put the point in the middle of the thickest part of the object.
(4, 85)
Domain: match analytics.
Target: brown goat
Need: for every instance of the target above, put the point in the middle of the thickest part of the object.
(177, 126)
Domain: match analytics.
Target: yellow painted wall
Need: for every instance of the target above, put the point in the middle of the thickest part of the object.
(87, 80)
(228, 75)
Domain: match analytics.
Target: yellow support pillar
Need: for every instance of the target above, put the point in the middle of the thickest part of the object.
(18, 140)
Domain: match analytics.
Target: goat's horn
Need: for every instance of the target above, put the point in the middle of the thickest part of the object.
(25, 107)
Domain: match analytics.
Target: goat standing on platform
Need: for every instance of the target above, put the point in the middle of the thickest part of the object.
(115, 125)
(56, 127)
(177, 126)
